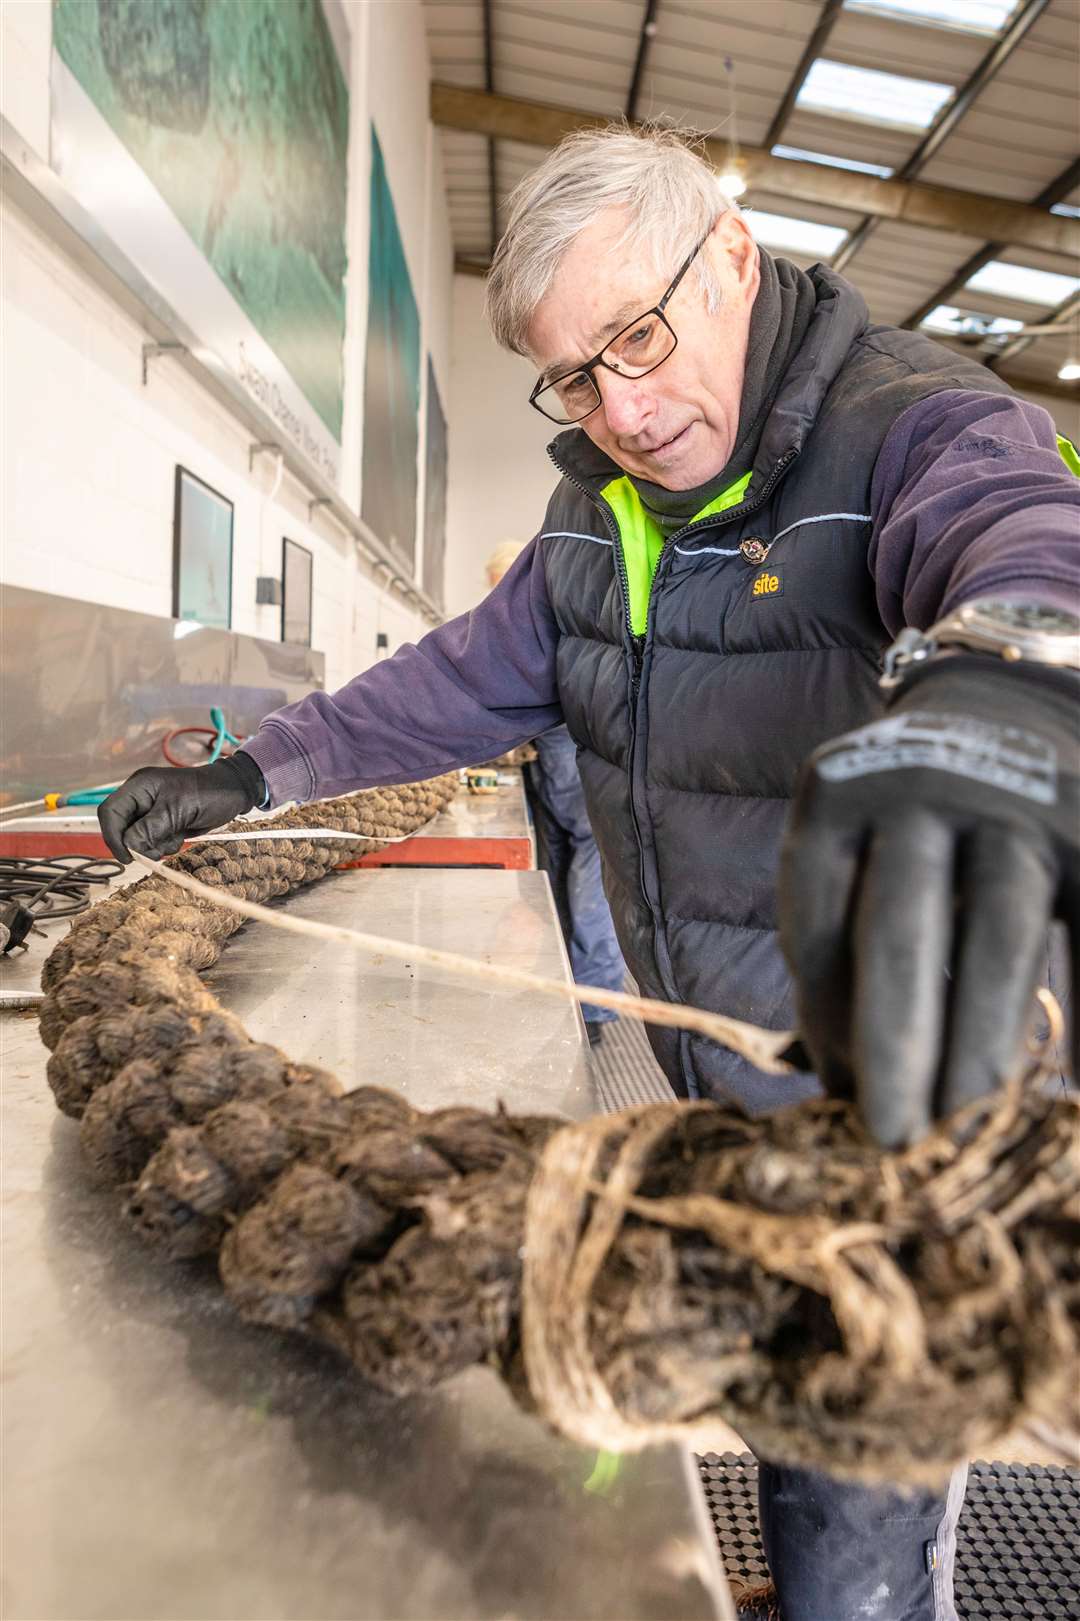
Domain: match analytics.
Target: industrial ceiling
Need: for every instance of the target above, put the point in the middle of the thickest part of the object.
(961, 117)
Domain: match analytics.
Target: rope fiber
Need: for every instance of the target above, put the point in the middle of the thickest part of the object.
(649, 1273)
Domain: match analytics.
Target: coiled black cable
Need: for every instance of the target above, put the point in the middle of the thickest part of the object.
(37, 890)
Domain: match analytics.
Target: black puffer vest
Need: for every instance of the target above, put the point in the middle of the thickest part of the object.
(764, 640)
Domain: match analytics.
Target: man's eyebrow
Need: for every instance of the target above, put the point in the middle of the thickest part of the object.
(624, 314)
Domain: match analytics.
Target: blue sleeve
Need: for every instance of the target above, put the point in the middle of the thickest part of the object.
(471, 689)
(971, 498)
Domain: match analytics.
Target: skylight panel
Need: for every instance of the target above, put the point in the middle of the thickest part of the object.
(797, 153)
(796, 236)
(842, 91)
(963, 323)
(1045, 287)
(970, 16)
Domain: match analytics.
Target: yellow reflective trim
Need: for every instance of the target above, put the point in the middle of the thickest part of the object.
(643, 540)
(1069, 454)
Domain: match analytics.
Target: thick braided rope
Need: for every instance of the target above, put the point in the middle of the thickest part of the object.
(873, 1315)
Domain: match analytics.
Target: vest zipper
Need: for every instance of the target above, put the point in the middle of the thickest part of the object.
(613, 530)
(638, 645)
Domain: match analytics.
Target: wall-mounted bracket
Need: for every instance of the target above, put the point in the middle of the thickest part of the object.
(313, 506)
(152, 351)
(262, 447)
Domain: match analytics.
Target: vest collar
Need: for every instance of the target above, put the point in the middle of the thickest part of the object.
(840, 316)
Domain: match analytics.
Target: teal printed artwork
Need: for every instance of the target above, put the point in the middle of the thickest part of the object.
(238, 113)
(391, 376)
(436, 462)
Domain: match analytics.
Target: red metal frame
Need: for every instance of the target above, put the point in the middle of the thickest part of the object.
(515, 854)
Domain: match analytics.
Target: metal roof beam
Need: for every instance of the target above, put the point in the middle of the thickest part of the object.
(648, 29)
(1066, 316)
(830, 11)
(1053, 193)
(489, 86)
(469, 267)
(961, 104)
(938, 208)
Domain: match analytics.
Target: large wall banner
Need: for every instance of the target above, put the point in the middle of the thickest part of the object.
(435, 458)
(209, 139)
(391, 377)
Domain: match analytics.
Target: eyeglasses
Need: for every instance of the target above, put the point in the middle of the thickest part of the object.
(634, 352)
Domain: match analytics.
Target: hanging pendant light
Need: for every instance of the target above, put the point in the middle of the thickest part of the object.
(732, 177)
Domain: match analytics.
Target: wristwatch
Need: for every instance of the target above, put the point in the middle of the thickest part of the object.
(1018, 632)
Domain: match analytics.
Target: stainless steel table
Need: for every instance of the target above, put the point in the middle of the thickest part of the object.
(163, 1460)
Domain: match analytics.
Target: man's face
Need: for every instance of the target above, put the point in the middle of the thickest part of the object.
(676, 426)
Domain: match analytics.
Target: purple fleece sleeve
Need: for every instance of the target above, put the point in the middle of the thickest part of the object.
(971, 498)
(469, 690)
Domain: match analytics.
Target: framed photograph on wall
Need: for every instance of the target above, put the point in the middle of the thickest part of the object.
(296, 569)
(202, 552)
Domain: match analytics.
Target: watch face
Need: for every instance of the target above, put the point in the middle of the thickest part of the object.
(1026, 618)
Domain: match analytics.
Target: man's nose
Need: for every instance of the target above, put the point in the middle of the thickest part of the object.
(627, 405)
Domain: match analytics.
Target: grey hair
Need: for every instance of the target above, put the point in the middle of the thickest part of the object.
(670, 194)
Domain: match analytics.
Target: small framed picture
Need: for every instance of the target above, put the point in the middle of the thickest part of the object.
(296, 567)
(202, 552)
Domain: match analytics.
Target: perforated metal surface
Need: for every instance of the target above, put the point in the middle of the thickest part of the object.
(623, 1068)
(1018, 1547)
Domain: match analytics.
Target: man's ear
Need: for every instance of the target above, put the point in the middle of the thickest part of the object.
(737, 252)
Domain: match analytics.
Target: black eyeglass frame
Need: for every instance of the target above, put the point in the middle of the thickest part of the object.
(589, 366)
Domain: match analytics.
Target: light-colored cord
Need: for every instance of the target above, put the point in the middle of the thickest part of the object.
(761, 1047)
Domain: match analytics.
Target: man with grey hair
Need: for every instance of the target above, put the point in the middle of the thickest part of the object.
(759, 492)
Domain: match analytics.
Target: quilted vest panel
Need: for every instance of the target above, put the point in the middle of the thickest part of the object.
(690, 738)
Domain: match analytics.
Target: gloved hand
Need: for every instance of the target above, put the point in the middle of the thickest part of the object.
(925, 857)
(156, 809)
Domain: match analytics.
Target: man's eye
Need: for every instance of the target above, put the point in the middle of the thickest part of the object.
(640, 334)
(575, 386)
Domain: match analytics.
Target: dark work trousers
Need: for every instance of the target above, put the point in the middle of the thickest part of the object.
(566, 851)
(843, 1552)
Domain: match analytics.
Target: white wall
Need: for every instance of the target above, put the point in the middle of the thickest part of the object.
(88, 455)
(500, 475)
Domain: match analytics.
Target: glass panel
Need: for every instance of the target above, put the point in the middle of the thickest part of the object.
(640, 346)
(800, 156)
(296, 566)
(969, 16)
(202, 553)
(876, 98)
(962, 323)
(797, 236)
(574, 395)
(1044, 287)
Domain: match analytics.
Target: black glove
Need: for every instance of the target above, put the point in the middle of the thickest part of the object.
(925, 857)
(156, 809)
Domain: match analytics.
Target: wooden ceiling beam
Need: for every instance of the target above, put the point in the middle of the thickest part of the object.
(937, 208)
